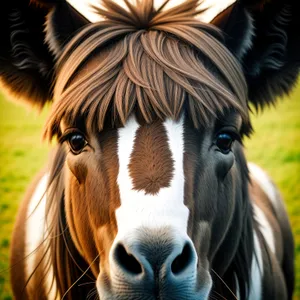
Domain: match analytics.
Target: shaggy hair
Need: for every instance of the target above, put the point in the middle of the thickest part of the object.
(153, 62)
(156, 64)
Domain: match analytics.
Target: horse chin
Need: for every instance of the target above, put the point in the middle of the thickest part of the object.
(108, 290)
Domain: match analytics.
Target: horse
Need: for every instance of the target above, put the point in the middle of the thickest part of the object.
(147, 193)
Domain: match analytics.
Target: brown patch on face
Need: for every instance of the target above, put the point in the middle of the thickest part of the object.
(151, 164)
(92, 196)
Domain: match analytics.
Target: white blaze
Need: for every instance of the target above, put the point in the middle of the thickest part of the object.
(138, 209)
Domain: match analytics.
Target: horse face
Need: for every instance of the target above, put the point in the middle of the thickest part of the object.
(151, 206)
(154, 201)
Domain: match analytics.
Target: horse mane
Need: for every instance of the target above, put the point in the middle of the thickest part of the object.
(155, 63)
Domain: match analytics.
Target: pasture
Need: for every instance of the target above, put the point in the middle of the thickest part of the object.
(275, 145)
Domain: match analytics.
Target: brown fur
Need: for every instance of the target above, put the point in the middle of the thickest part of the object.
(91, 221)
(151, 165)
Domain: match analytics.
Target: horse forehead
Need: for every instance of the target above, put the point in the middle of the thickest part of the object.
(153, 191)
(213, 7)
(150, 156)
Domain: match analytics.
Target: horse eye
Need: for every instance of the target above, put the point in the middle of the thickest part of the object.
(77, 142)
(224, 142)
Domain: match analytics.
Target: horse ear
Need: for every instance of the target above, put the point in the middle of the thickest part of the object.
(264, 36)
(33, 33)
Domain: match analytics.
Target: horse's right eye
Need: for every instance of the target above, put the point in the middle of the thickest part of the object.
(77, 142)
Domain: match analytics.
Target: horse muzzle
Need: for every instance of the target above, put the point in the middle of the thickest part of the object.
(153, 264)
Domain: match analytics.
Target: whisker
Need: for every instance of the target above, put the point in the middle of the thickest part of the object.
(67, 291)
(233, 294)
(68, 248)
(219, 295)
(86, 283)
(92, 292)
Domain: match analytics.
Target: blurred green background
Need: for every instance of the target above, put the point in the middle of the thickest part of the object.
(275, 146)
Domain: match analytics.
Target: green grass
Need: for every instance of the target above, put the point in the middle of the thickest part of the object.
(275, 146)
(21, 156)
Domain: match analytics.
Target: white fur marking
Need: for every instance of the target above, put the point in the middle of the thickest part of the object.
(35, 223)
(36, 232)
(166, 208)
(264, 182)
(265, 227)
(256, 272)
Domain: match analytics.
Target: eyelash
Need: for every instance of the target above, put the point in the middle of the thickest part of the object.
(68, 133)
(232, 132)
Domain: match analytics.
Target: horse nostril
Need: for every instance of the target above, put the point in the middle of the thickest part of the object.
(182, 261)
(127, 261)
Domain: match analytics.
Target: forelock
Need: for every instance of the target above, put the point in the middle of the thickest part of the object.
(154, 63)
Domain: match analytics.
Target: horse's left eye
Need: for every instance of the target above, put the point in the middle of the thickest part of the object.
(77, 142)
(224, 142)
